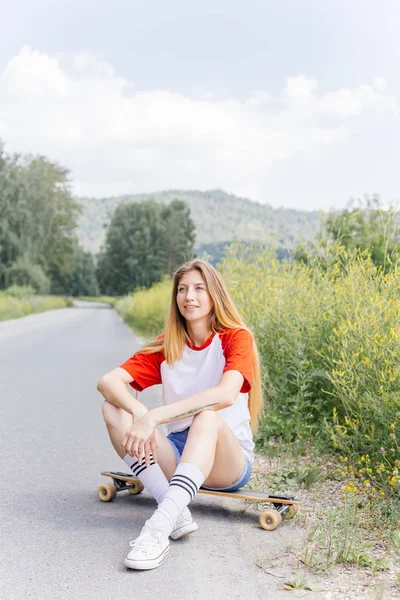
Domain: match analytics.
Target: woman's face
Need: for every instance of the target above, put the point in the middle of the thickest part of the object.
(194, 301)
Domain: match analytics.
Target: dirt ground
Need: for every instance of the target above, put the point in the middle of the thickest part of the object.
(303, 569)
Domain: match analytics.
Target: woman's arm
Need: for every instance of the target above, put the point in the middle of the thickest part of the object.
(221, 396)
(113, 388)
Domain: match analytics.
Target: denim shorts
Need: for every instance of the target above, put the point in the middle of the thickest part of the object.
(178, 441)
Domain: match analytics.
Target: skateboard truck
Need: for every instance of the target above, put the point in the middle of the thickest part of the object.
(120, 482)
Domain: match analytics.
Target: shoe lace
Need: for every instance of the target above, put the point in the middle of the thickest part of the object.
(145, 541)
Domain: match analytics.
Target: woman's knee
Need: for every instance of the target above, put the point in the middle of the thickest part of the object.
(207, 419)
(116, 417)
(110, 412)
(112, 415)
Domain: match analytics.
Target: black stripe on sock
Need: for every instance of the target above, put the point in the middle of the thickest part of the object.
(187, 481)
(185, 484)
(136, 462)
(183, 487)
(136, 468)
(140, 470)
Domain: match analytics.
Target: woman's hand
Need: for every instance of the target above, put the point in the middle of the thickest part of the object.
(141, 439)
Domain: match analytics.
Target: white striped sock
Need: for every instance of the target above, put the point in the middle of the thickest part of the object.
(152, 477)
(183, 487)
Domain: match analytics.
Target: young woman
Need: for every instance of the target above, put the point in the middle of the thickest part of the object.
(207, 363)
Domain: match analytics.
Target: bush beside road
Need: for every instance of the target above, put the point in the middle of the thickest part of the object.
(20, 301)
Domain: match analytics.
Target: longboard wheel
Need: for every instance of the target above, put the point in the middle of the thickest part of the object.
(270, 519)
(137, 488)
(107, 491)
(292, 512)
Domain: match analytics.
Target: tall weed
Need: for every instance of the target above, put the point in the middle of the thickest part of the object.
(146, 310)
(20, 301)
(328, 332)
(329, 339)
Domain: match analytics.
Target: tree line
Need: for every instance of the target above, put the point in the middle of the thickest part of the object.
(362, 226)
(39, 246)
(38, 220)
(144, 240)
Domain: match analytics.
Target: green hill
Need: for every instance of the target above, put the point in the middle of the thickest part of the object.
(219, 217)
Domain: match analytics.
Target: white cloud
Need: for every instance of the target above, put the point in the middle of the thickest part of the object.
(368, 100)
(118, 139)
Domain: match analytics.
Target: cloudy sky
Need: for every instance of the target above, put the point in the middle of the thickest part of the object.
(291, 102)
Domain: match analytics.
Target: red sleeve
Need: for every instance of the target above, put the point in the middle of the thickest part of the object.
(237, 345)
(145, 369)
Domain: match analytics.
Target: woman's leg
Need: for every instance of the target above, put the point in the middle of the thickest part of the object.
(156, 477)
(212, 455)
(118, 422)
(213, 447)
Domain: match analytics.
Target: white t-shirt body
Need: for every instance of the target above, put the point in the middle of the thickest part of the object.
(200, 369)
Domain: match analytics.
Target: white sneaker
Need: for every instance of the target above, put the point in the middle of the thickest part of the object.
(148, 550)
(184, 525)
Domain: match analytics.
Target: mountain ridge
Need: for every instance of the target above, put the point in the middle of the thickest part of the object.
(218, 217)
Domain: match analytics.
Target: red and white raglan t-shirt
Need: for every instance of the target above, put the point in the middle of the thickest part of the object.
(200, 369)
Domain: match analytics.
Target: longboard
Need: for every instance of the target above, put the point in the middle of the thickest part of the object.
(283, 506)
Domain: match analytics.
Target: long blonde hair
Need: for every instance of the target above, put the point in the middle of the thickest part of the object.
(224, 315)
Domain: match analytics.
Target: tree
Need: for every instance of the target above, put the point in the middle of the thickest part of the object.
(82, 281)
(51, 237)
(38, 218)
(132, 255)
(23, 272)
(144, 241)
(179, 235)
(10, 192)
(366, 227)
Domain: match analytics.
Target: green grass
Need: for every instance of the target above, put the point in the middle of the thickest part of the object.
(17, 302)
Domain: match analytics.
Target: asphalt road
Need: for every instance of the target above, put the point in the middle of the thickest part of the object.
(59, 541)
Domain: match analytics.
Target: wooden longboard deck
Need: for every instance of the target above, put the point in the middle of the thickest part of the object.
(241, 493)
(246, 494)
(120, 476)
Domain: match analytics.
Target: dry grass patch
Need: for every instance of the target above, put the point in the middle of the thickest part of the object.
(343, 547)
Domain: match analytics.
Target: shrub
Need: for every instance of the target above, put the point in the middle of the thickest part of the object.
(24, 273)
(19, 301)
(19, 291)
(145, 310)
(328, 334)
